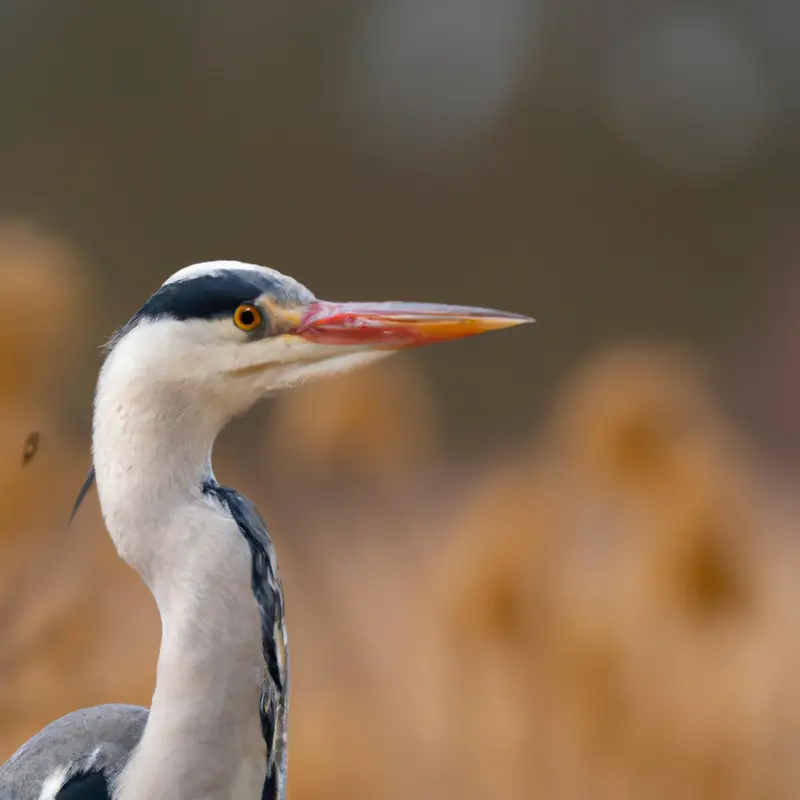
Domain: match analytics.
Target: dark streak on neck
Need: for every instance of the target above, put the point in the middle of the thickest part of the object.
(268, 594)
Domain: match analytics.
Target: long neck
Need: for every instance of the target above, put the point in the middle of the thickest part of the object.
(203, 738)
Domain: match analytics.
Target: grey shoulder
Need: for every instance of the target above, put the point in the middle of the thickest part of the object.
(93, 741)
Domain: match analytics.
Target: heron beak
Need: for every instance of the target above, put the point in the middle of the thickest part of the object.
(396, 326)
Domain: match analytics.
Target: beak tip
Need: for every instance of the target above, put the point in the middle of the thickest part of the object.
(512, 320)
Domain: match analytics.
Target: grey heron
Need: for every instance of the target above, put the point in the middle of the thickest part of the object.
(209, 343)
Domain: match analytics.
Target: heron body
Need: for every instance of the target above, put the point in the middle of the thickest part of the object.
(212, 341)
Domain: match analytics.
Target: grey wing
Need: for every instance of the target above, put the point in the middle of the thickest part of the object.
(93, 742)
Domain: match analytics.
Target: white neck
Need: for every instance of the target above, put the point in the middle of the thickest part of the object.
(203, 738)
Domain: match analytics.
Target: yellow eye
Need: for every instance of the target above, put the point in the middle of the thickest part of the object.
(247, 317)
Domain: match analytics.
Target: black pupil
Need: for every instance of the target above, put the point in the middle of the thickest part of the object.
(247, 317)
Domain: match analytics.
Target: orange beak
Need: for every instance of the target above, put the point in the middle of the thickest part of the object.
(398, 325)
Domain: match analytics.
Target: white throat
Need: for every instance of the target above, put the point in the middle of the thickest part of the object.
(151, 449)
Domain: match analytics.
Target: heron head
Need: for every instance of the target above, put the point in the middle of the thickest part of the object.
(236, 332)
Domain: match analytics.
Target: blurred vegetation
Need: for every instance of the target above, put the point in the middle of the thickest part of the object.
(605, 609)
(613, 170)
(560, 564)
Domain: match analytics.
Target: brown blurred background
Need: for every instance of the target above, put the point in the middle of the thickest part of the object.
(556, 562)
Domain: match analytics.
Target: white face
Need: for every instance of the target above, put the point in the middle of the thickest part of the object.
(216, 351)
(225, 334)
(214, 354)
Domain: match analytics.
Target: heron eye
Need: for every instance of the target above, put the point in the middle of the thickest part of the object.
(247, 317)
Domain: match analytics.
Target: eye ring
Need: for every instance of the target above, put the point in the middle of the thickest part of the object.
(247, 317)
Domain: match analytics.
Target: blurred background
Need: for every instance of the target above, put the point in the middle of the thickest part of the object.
(555, 562)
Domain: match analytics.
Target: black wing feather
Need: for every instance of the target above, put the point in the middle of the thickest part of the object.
(90, 785)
